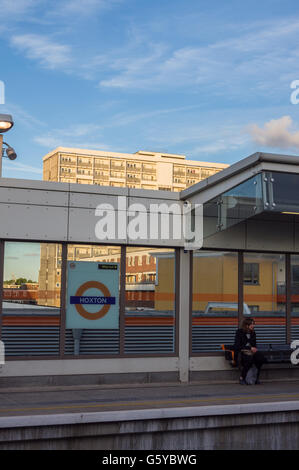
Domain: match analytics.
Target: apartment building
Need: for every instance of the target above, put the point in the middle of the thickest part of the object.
(146, 170)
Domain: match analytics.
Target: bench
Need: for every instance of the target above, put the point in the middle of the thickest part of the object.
(274, 353)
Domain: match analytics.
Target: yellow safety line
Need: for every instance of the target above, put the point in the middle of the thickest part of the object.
(151, 403)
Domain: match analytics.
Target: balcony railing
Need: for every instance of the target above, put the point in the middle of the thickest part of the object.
(117, 167)
(85, 164)
(102, 165)
(67, 163)
(133, 169)
(101, 179)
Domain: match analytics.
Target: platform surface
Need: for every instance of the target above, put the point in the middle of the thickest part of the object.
(29, 401)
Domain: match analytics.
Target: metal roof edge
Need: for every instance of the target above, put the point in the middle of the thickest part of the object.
(238, 167)
(221, 175)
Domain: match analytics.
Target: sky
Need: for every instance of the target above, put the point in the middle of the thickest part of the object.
(210, 80)
(21, 260)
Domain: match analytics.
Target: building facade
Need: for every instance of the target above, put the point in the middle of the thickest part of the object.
(145, 170)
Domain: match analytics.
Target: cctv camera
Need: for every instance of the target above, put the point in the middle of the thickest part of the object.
(11, 154)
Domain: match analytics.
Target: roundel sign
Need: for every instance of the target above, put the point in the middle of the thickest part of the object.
(80, 300)
(92, 295)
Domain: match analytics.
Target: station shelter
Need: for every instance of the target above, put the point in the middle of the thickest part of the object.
(132, 309)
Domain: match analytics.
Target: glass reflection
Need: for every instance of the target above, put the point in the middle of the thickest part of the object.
(150, 300)
(31, 299)
(214, 300)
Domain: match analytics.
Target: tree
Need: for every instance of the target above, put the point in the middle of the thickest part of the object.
(21, 280)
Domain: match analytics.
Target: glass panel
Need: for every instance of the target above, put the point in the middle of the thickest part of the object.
(93, 340)
(49, 279)
(211, 218)
(31, 299)
(214, 300)
(265, 295)
(150, 300)
(230, 208)
(241, 202)
(294, 297)
(285, 191)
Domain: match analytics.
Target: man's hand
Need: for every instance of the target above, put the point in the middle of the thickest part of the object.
(254, 350)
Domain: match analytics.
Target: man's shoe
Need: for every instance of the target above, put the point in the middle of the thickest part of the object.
(242, 382)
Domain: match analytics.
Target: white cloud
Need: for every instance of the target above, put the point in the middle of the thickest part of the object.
(51, 142)
(220, 64)
(22, 116)
(48, 140)
(20, 167)
(127, 118)
(85, 7)
(201, 140)
(73, 136)
(29, 9)
(220, 139)
(251, 54)
(32, 254)
(276, 133)
(253, 51)
(49, 53)
(220, 145)
(16, 7)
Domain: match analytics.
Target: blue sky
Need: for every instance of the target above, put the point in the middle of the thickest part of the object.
(22, 260)
(210, 80)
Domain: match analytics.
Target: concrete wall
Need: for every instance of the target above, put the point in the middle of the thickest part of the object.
(263, 426)
(87, 366)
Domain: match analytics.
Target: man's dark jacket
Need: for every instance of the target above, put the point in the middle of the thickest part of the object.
(241, 340)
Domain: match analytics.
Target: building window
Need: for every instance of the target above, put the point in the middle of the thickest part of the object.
(254, 308)
(251, 273)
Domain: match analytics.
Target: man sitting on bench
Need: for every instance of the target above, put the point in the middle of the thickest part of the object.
(246, 351)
